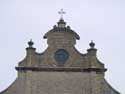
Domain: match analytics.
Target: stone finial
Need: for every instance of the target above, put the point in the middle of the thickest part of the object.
(30, 43)
(54, 27)
(30, 50)
(68, 27)
(61, 23)
(91, 44)
(92, 50)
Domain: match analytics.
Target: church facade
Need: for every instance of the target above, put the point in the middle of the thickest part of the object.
(60, 69)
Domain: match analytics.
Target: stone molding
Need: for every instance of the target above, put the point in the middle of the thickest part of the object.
(62, 69)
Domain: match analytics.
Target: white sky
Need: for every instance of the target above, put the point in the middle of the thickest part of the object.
(100, 20)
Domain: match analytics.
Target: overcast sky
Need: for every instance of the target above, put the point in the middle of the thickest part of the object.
(100, 20)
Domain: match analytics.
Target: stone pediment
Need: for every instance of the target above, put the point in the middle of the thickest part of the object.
(60, 69)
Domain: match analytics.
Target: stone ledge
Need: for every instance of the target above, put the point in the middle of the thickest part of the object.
(62, 69)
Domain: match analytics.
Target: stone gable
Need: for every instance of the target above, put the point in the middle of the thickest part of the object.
(60, 69)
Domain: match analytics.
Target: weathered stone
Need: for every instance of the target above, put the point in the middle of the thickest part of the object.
(40, 73)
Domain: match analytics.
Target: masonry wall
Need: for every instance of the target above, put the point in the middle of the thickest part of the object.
(36, 82)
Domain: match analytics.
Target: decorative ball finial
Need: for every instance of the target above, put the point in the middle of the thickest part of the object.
(92, 44)
(68, 27)
(30, 43)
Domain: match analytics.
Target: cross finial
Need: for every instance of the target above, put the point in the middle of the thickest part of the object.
(61, 12)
